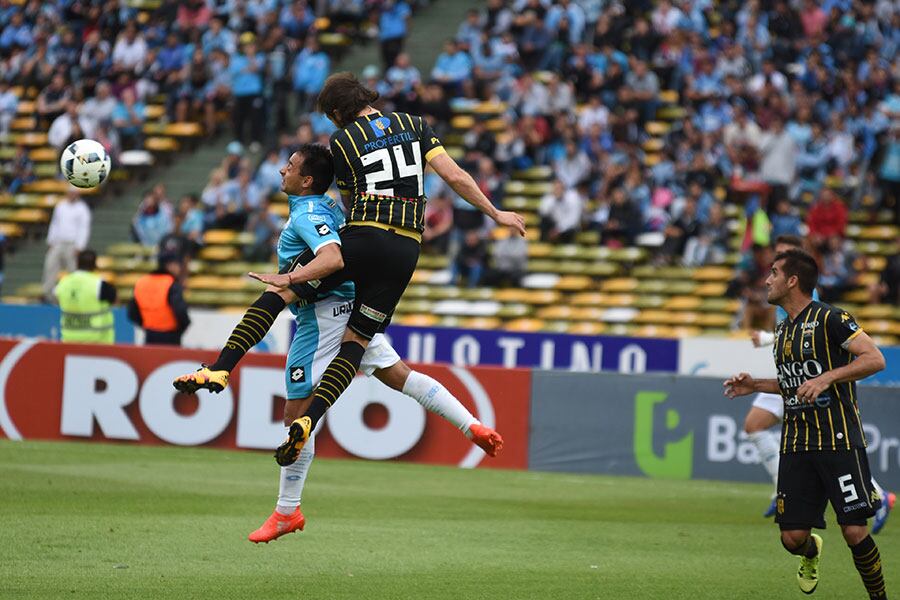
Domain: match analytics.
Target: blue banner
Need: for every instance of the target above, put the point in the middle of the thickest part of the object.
(42, 321)
(464, 347)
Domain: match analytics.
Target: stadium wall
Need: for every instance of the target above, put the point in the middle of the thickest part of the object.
(655, 425)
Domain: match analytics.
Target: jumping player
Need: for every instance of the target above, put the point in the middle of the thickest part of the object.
(312, 231)
(820, 352)
(379, 161)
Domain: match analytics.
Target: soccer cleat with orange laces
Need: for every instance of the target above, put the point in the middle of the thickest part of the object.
(486, 438)
(277, 525)
(202, 379)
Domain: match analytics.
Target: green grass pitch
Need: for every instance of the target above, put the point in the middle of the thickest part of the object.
(94, 521)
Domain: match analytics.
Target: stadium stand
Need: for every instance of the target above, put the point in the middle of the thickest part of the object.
(655, 148)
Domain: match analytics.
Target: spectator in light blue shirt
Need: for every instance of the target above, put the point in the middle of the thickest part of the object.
(403, 76)
(453, 66)
(152, 221)
(268, 176)
(128, 118)
(470, 30)
(392, 29)
(172, 56)
(17, 33)
(246, 72)
(218, 38)
(309, 73)
(573, 13)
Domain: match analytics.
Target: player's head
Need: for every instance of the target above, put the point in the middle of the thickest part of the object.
(343, 97)
(786, 242)
(308, 171)
(86, 260)
(794, 273)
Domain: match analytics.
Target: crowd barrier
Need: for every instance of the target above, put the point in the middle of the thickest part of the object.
(656, 425)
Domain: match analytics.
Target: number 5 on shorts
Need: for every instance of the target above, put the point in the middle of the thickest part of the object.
(848, 488)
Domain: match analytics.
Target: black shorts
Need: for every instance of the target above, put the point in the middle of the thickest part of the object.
(380, 263)
(808, 480)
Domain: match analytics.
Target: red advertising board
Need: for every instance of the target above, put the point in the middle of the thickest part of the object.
(56, 391)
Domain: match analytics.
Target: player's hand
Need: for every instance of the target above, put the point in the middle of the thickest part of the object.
(754, 335)
(739, 385)
(811, 389)
(512, 220)
(279, 280)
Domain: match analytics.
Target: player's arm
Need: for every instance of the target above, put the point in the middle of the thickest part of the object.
(842, 330)
(325, 243)
(869, 360)
(463, 184)
(762, 338)
(743, 384)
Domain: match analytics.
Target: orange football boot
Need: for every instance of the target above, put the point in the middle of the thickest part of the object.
(486, 438)
(277, 525)
(202, 379)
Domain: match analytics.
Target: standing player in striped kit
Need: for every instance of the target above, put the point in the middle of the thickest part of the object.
(767, 410)
(820, 352)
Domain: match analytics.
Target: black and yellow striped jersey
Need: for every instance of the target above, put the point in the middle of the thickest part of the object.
(815, 342)
(380, 161)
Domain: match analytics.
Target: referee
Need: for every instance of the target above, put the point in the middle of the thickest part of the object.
(820, 353)
(379, 164)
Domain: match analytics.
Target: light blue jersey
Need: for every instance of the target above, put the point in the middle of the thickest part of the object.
(781, 314)
(313, 222)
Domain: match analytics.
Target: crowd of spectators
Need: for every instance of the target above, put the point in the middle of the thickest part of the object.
(792, 107)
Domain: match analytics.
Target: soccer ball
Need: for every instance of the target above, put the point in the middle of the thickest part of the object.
(85, 163)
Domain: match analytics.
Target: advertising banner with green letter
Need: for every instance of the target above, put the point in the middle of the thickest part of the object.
(672, 426)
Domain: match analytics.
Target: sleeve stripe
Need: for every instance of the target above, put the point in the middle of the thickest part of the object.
(434, 152)
(353, 142)
(851, 338)
(344, 152)
(325, 243)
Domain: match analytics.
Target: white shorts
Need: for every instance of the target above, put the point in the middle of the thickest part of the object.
(770, 403)
(320, 329)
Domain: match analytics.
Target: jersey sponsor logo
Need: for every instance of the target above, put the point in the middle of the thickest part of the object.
(316, 218)
(298, 374)
(343, 309)
(810, 325)
(323, 229)
(379, 126)
(388, 140)
(375, 315)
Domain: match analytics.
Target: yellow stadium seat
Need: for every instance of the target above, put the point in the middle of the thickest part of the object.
(161, 144)
(525, 325)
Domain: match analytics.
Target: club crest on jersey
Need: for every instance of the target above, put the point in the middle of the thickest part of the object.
(298, 374)
(379, 126)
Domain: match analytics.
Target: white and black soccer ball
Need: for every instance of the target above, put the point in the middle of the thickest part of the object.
(85, 163)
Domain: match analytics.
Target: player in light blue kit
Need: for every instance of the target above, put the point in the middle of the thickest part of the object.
(768, 409)
(310, 240)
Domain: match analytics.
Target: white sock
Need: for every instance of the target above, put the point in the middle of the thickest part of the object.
(766, 444)
(428, 392)
(293, 477)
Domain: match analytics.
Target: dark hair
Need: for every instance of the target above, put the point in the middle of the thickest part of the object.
(343, 97)
(317, 163)
(86, 260)
(798, 263)
(790, 240)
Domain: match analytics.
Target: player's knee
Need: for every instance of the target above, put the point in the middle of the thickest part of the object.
(394, 376)
(854, 534)
(287, 295)
(793, 540)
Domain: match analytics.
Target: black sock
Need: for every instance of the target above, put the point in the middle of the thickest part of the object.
(868, 562)
(807, 548)
(811, 549)
(253, 327)
(336, 378)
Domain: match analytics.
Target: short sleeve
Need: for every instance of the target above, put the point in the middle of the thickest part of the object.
(431, 144)
(315, 229)
(842, 328)
(342, 172)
